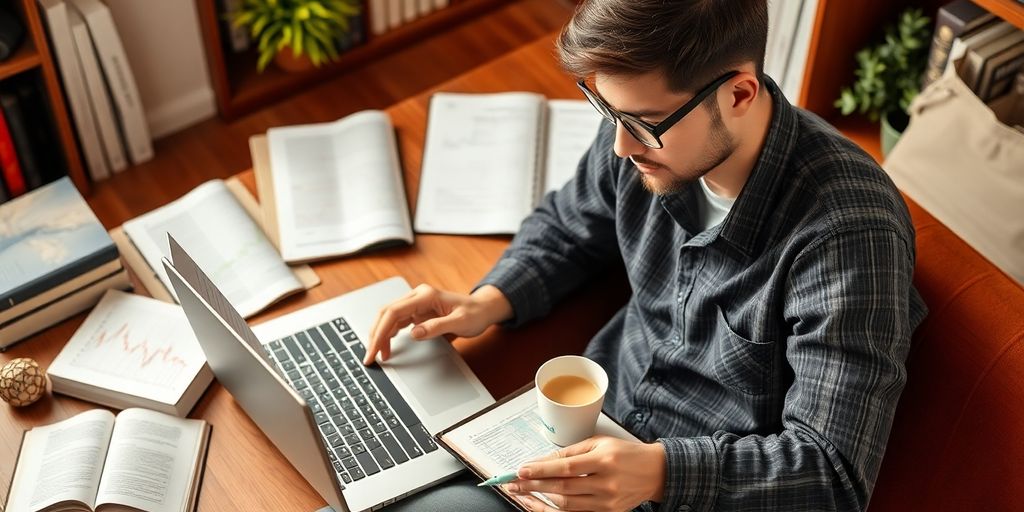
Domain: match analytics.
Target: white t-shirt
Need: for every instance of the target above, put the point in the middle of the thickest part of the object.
(714, 207)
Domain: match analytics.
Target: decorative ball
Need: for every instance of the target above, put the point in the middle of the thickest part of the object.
(22, 381)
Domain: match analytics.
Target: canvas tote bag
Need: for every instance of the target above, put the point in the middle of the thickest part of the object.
(967, 169)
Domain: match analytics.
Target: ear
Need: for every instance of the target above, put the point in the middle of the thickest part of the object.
(741, 91)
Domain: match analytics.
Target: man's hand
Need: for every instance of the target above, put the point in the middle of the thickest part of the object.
(600, 474)
(435, 312)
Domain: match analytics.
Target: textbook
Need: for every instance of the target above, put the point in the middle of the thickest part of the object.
(133, 351)
(137, 461)
(219, 223)
(337, 187)
(503, 436)
(489, 158)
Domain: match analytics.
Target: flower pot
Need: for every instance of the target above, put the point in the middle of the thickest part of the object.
(287, 61)
(893, 124)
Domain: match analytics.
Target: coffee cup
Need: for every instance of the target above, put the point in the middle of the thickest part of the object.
(570, 392)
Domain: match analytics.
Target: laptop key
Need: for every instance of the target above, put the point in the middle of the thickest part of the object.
(367, 463)
(287, 366)
(423, 437)
(342, 451)
(333, 409)
(382, 458)
(346, 478)
(345, 429)
(358, 448)
(318, 340)
(335, 441)
(372, 444)
(340, 324)
(357, 474)
(293, 349)
(397, 454)
(379, 427)
(320, 418)
(392, 422)
(338, 467)
(350, 463)
(306, 369)
(352, 439)
(366, 434)
(281, 355)
(350, 336)
(327, 429)
(294, 375)
(359, 424)
(407, 443)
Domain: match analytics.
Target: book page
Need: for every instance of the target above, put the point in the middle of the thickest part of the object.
(151, 461)
(131, 351)
(210, 224)
(572, 127)
(480, 163)
(61, 462)
(338, 186)
(510, 434)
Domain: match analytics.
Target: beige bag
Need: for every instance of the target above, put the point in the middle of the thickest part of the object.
(967, 169)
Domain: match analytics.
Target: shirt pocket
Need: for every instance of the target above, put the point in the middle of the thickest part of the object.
(741, 364)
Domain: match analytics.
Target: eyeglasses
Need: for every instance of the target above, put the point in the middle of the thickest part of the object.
(647, 133)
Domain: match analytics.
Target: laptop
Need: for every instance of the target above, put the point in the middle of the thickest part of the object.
(361, 436)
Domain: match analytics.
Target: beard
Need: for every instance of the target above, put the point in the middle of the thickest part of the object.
(720, 147)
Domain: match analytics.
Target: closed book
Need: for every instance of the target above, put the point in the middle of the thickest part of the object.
(50, 236)
(999, 71)
(119, 78)
(394, 14)
(976, 39)
(973, 67)
(55, 12)
(133, 351)
(99, 98)
(41, 130)
(60, 291)
(17, 125)
(953, 20)
(9, 161)
(60, 310)
(3, 191)
(378, 16)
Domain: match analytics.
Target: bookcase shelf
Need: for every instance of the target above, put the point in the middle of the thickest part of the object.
(35, 54)
(240, 89)
(841, 28)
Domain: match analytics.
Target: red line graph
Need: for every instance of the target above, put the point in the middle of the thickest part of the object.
(120, 339)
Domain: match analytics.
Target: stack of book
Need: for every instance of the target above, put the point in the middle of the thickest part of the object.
(57, 260)
(985, 51)
(99, 85)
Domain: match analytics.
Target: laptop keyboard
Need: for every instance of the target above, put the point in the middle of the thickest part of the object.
(366, 424)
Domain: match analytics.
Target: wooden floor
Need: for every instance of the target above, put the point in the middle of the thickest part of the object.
(215, 149)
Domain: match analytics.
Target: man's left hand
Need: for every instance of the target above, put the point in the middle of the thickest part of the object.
(600, 474)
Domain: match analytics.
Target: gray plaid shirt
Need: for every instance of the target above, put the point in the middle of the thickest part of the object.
(765, 353)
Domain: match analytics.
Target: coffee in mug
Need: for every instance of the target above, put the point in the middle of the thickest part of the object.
(570, 392)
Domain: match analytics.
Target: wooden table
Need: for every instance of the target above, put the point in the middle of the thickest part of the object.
(244, 471)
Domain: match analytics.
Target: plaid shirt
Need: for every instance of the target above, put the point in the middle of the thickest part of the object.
(765, 353)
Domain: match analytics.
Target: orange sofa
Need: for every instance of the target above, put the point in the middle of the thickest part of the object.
(957, 442)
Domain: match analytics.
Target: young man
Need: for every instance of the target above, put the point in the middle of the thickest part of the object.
(762, 351)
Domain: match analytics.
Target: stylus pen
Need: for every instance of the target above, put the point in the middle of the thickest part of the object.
(499, 479)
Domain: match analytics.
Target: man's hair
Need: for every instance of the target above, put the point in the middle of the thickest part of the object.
(692, 42)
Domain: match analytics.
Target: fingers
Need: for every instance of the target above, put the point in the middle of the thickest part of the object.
(393, 318)
(568, 486)
(579, 448)
(575, 503)
(564, 467)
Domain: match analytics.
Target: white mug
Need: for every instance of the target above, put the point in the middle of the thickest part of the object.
(569, 424)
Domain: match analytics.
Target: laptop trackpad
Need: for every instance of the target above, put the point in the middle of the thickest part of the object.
(428, 370)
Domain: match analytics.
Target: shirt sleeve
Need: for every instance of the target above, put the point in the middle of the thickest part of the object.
(568, 238)
(848, 300)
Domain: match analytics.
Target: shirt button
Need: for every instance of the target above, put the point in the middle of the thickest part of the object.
(676, 339)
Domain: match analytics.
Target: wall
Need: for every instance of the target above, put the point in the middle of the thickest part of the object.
(165, 49)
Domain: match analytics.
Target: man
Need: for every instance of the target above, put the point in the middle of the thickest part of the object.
(762, 351)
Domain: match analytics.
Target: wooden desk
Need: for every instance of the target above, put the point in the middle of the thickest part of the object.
(244, 470)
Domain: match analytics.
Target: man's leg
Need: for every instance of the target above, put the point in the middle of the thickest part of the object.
(460, 494)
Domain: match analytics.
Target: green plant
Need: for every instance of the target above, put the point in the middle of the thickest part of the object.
(889, 73)
(309, 27)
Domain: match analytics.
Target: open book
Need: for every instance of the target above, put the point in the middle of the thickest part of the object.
(214, 225)
(337, 187)
(489, 158)
(137, 461)
(133, 351)
(503, 436)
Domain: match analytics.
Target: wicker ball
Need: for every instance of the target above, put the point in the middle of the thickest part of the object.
(22, 381)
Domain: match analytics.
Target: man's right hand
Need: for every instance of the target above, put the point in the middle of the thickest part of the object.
(435, 312)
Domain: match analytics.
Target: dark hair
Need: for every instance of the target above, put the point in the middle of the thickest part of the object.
(692, 41)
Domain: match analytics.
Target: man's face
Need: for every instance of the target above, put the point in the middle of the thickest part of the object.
(692, 147)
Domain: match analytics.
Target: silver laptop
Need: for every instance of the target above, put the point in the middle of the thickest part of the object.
(362, 437)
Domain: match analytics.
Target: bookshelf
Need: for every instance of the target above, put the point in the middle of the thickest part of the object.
(240, 89)
(841, 28)
(35, 56)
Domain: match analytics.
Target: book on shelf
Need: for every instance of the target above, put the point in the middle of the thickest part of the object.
(998, 72)
(489, 158)
(977, 60)
(337, 187)
(136, 461)
(394, 10)
(504, 435)
(118, 78)
(58, 260)
(237, 37)
(21, 139)
(56, 15)
(953, 20)
(13, 174)
(793, 80)
(975, 39)
(133, 351)
(99, 100)
(220, 224)
(29, 90)
(378, 14)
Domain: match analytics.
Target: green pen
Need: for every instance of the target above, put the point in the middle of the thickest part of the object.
(499, 479)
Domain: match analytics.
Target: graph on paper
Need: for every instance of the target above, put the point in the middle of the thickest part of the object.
(133, 344)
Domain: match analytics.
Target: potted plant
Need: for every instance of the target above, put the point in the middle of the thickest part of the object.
(889, 76)
(297, 34)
